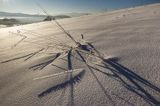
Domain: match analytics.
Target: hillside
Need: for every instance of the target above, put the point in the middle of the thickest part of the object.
(128, 38)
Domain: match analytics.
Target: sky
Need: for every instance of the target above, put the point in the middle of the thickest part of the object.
(68, 6)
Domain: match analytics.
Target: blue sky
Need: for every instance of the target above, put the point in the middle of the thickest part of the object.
(68, 6)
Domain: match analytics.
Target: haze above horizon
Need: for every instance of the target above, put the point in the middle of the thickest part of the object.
(68, 6)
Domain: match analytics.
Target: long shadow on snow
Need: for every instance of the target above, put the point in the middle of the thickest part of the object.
(69, 82)
(134, 82)
(63, 85)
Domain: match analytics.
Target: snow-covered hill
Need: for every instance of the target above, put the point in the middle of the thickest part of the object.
(131, 77)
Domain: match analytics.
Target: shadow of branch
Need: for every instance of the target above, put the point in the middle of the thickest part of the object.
(63, 85)
(134, 82)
